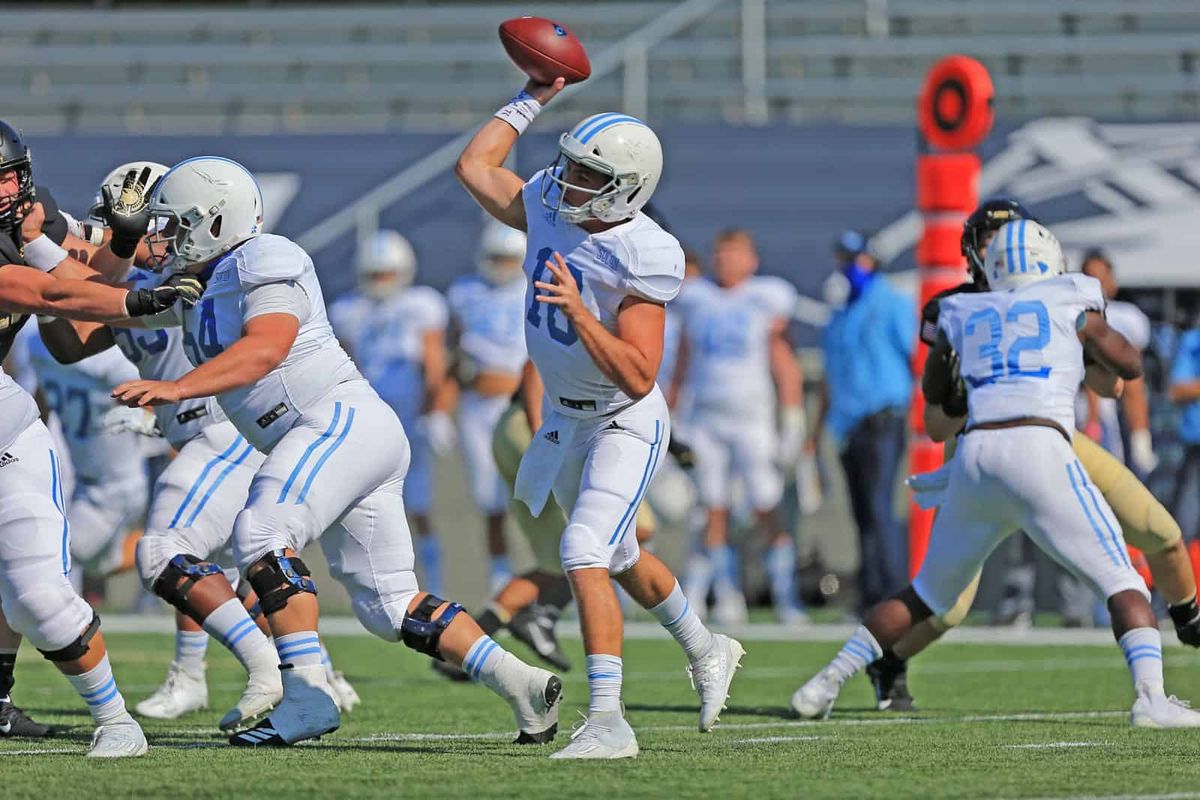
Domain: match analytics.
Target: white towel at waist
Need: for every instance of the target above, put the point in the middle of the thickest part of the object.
(930, 488)
(543, 459)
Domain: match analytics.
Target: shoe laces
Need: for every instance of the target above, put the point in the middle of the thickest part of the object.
(705, 667)
(1175, 701)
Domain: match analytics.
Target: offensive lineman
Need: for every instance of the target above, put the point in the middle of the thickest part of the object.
(38, 600)
(336, 456)
(396, 334)
(600, 275)
(487, 312)
(735, 366)
(1020, 349)
(1145, 522)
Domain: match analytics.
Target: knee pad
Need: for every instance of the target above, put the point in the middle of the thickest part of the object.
(280, 577)
(181, 575)
(581, 548)
(421, 631)
(77, 648)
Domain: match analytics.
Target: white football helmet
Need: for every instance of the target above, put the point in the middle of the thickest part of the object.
(385, 253)
(204, 207)
(116, 178)
(500, 242)
(1023, 252)
(614, 144)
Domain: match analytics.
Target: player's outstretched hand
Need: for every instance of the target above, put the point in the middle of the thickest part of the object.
(188, 287)
(544, 92)
(139, 394)
(564, 292)
(128, 214)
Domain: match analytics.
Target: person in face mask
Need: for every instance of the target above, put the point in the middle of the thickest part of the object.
(868, 347)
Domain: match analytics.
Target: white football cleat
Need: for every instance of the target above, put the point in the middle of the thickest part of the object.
(1153, 709)
(536, 708)
(602, 735)
(121, 738)
(263, 690)
(181, 693)
(711, 675)
(815, 699)
(307, 711)
(343, 693)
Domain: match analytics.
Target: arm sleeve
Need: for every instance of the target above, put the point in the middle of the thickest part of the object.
(284, 297)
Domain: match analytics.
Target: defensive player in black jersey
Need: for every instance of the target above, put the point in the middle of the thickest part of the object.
(1145, 522)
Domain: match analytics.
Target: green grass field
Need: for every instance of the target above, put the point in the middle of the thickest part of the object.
(996, 721)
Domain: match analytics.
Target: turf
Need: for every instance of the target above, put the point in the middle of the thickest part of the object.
(996, 721)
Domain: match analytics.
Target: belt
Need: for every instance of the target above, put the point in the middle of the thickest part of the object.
(1019, 422)
(578, 405)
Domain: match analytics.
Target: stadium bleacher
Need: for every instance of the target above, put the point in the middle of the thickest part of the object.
(251, 69)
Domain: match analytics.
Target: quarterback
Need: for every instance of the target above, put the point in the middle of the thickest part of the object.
(599, 274)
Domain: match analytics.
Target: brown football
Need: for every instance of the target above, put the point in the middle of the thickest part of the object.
(544, 49)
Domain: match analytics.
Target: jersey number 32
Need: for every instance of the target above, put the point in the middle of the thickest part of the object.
(990, 353)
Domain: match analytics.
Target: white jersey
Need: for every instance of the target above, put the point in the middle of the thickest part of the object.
(80, 395)
(728, 334)
(266, 409)
(385, 339)
(636, 258)
(1020, 351)
(158, 355)
(490, 322)
(17, 411)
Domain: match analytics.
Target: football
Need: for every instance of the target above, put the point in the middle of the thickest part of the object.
(544, 49)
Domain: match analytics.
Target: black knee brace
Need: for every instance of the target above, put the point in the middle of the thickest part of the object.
(421, 631)
(243, 591)
(77, 648)
(915, 605)
(280, 577)
(182, 574)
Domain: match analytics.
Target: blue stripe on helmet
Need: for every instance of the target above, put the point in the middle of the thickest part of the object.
(1009, 229)
(582, 128)
(608, 124)
(1021, 246)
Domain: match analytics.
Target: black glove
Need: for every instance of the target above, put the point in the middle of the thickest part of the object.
(1186, 617)
(128, 215)
(180, 287)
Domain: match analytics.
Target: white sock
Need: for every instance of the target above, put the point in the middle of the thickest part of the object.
(676, 615)
(98, 688)
(301, 649)
(496, 668)
(604, 683)
(1143, 653)
(231, 625)
(326, 661)
(190, 647)
(861, 649)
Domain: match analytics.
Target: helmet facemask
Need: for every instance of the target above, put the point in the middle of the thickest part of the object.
(600, 201)
(14, 209)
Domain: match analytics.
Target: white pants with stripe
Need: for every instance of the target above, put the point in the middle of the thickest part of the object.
(1027, 478)
(37, 596)
(338, 476)
(609, 464)
(730, 448)
(477, 418)
(197, 498)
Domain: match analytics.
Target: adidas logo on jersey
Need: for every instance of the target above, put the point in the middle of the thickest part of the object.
(7, 458)
(551, 437)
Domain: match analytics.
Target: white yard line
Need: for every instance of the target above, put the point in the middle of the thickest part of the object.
(775, 739)
(1054, 745)
(1173, 796)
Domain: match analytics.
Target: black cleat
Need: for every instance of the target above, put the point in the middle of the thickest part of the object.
(15, 722)
(533, 626)
(552, 694)
(889, 676)
(261, 735)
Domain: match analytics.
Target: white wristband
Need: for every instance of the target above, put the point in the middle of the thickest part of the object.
(520, 111)
(42, 253)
